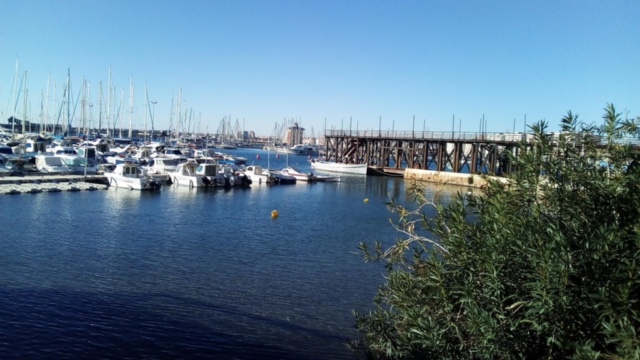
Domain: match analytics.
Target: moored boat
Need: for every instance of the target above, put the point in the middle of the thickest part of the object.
(309, 177)
(360, 169)
(186, 175)
(131, 176)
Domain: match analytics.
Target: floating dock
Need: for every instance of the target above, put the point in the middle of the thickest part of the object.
(13, 185)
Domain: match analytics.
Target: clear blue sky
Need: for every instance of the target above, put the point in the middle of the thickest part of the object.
(350, 62)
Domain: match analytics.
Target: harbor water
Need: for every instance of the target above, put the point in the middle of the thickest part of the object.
(187, 273)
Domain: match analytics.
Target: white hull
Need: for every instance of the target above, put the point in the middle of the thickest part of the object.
(190, 181)
(131, 183)
(360, 169)
(130, 176)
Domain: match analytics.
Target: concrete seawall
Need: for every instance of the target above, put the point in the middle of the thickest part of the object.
(447, 178)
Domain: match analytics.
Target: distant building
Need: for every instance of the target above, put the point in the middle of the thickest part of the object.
(295, 135)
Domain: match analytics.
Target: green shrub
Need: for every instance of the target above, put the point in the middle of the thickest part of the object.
(546, 267)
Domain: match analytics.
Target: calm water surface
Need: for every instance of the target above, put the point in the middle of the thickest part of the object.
(190, 273)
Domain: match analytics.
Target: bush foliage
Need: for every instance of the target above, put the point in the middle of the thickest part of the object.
(545, 266)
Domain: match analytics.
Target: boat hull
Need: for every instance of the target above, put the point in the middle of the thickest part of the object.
(132, 183)
(358, 169)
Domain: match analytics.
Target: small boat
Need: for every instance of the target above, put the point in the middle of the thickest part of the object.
(51, 164)
(309, 177)
(186, 175)
(131, 176)
(222, 175)
(238, 160)
(234, 175)
(276, 177)
(256, 173)
(211, 174)
(302, 149)
(360, 169)
(299, 175)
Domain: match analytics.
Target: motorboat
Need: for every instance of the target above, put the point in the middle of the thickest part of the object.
(78, 164)
(360, 169)
(238, 160)
(309, 177)
(234, 175)
(256, 173)
(186, 175)
(220, 175)
(303, 149)
(131, 176)
(161, 165)
(209, 171)
(299, 175)
(51, 164)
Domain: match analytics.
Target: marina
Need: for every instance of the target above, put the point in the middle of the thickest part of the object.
(193, 273)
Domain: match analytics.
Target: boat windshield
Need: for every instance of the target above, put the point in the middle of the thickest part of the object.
(167, 162)
(76, 161)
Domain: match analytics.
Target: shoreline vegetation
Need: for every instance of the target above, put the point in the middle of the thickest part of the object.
(545, 267)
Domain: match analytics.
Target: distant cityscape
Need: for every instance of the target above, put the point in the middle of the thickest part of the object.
(286, 133)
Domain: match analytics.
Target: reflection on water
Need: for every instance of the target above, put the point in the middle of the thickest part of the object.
(184, 273)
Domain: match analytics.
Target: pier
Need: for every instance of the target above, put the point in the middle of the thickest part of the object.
(394, 151)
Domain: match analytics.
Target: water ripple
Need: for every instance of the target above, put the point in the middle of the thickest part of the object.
(188, 273)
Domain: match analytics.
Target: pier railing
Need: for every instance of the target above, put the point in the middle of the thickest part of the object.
(462, 136)
(435, 135)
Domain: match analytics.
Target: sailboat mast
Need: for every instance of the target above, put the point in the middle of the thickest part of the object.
(46, 105)
(120, 111)
(15, 100)
(130, 107)
(68, 101)
(24, 116)
(146, 94)
(151, 112)
(100, 110)
(41, 111)
(109, 133)
(84, 106)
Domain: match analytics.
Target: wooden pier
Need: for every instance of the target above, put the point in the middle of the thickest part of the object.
(393, 151)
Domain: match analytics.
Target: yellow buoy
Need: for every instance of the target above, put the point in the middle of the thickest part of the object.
(274, 214)
(366, 201)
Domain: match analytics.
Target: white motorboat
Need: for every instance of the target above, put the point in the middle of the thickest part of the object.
(78, 164)
(51, 164)
(299, 175)
(256, 173)
(360, 169)
(223, 175)
(161, 165)
(302, 149)
(186, 175)
(131, 176)
(309, 177)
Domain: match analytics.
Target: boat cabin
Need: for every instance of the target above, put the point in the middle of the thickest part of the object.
(128, 170)
(209, 170)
